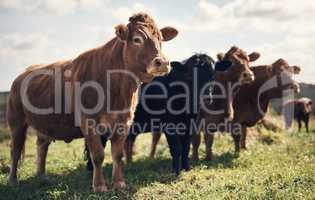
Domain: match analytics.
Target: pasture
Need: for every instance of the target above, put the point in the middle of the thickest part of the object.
(277, 165)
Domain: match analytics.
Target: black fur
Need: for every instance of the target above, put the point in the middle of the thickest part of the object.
(199, 68)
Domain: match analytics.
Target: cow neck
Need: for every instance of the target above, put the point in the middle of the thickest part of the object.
(123, 87)
(220, 78)
(225, 78)
(230, 76)
(95, 64)
(262, 75)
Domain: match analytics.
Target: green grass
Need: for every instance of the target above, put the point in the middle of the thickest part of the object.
(281, 168)
(4, 134)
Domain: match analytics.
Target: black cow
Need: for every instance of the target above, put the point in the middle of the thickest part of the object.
(170, 104)
(300, 110)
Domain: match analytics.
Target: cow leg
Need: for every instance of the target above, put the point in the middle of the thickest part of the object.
(89, 165)
(42, 149)
(196, 139)
(299, 124)
(175, 150)
(117, 148)
(306, 123)
(236, 138)
(185, 141)
(129, 144)
(209, 137)
(95, 147)
(155, 140)
(243, 138)
(18, 138)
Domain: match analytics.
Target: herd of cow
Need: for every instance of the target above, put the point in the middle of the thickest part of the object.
(195, 95)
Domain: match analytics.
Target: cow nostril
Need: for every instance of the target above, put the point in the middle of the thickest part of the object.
(246, 75)
(158, 63)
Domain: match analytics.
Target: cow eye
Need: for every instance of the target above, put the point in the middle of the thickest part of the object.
(138, 40)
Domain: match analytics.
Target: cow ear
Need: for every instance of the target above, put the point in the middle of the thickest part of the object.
(177, 66)
(279, 65)
(223, 65)
(253, 56)
(122, 31)
(296, 69)
(220, 56)
(168, 33)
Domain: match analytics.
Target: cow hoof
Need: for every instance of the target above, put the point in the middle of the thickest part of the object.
(100, 188)
(12, 182)
(186, 169)
(177, 173)
(195, 158)
(40, 174)
(208, 158)
(119, 184)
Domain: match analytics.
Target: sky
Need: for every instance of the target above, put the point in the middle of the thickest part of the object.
(45, 31)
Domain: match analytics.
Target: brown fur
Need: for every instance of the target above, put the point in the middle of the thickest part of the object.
(237, 75)
(245, 103)
(119, 53)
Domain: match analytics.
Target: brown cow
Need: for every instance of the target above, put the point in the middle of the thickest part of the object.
(239, 73)
(112, 72)
(248, 110)
(301, 111)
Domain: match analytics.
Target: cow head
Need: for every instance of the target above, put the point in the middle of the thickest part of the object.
(240, 68)
(284, 73)
(303, 105)
(142, 46)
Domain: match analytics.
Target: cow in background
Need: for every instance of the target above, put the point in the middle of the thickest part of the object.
(215, 115)
(300, 110)
(238, 73)
(250, 106)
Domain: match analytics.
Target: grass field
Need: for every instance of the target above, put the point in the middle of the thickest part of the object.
(275, 166)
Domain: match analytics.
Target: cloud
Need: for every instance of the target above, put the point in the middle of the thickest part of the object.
(54, 7)
(19, 42)
(245, 15)
(296, 50)
(21, 50)
(62, 7)
(17, 51)
(123, 13)
(277, 29)
(57, 7)
(19, 5)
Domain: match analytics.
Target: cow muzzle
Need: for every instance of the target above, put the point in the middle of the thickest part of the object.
(247, 77)
(295, 87)
(159, 66)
